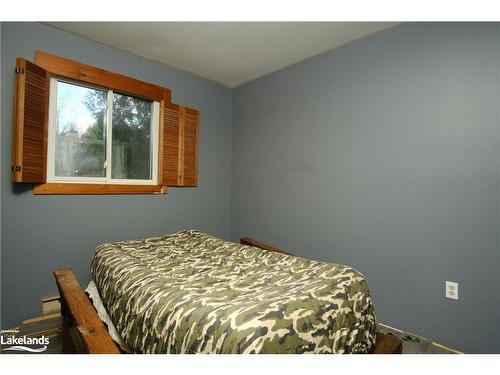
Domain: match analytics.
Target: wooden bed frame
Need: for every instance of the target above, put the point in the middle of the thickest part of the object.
(85, 332)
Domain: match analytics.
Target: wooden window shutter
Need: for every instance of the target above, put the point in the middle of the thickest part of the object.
(29, 148)
(179, 164)
(190, 147)
(171, 174)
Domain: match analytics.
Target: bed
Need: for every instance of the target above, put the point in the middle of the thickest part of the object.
(190, 292)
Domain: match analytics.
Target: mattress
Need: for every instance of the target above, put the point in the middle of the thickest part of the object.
(190, 292)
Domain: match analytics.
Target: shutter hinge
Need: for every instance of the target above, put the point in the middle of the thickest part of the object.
(16, 168)
(19, 70)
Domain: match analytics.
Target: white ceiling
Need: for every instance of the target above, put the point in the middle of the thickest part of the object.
(230, 53)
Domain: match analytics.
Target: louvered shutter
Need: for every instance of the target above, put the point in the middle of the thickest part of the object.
(29, 150)
(171, 174)
(179, 164)
(190, 147)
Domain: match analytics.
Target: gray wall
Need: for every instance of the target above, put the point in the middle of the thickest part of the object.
(384, 155)
(0, 175)
(40, 233)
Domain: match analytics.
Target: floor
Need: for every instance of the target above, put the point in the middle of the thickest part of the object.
(413, 344)
(52, 328)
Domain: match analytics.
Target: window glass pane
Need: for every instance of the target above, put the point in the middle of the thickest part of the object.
(131, 138)
(80, 144)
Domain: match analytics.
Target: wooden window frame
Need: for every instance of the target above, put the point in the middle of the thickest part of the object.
(67, 69)
(77, 71)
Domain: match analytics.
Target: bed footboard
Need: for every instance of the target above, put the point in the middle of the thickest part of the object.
(83, 330)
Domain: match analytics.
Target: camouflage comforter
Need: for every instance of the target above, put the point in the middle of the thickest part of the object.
(193, 293)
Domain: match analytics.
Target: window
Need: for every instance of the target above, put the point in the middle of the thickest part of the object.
(80, 129)
(101, 136)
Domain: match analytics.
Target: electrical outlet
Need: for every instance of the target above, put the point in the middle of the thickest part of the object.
(451, 290)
